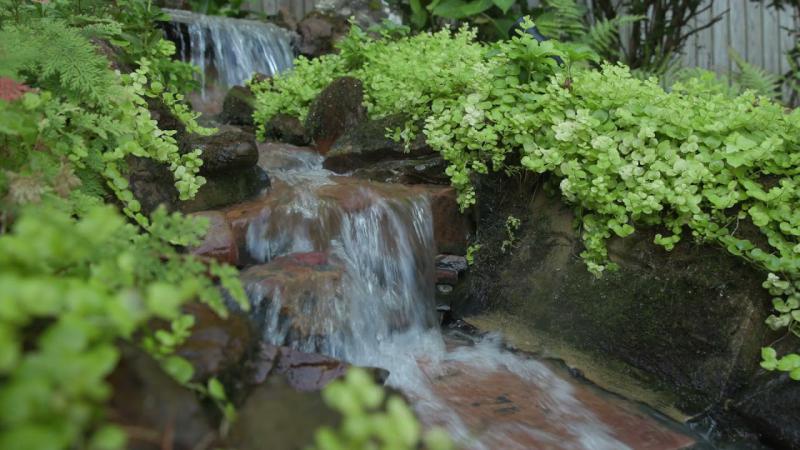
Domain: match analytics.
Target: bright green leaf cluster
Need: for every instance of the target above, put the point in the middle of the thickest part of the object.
(369, 422)
(76, 276)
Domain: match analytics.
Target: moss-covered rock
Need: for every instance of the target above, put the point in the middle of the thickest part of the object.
(690, 319)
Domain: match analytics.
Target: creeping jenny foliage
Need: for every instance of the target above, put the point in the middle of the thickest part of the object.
(76, 275)
(693, 161)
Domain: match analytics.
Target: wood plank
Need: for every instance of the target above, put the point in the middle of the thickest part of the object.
(739, 30)
(755, 36)
(772, 41)
(704, 39)
(719, 37)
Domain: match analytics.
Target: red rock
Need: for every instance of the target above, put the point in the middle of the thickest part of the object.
(220, 242)
(306, 290)
(505, 411)
(451, 228)
(303, 371)
(337, 109)
(446, 276)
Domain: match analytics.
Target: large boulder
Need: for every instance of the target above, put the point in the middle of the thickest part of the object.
(335, 111)
(690, 321)
(303, 371)
(365, 13)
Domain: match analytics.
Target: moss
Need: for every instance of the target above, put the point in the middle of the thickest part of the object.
(691, 318)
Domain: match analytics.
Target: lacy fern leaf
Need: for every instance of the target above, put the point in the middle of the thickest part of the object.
(755, 78)
(57, 57)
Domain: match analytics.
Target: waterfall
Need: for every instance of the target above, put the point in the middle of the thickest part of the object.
(344, 267)
(229, 51)
(372, 247)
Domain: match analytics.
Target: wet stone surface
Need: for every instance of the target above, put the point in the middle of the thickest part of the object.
(526, 405)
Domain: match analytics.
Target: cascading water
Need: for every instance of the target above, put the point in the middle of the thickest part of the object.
(229, 51)
(347, 270)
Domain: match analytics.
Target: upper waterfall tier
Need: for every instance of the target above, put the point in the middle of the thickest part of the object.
(229, 51)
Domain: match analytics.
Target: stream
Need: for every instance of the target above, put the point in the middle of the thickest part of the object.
(345, 267)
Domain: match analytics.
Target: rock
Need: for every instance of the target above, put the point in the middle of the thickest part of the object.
(151, 183)
(303, 371)
(425, 170)
(216, 345)
(689, 321)
(229, 150)
(219, 242)
(230, 160)
(227, 188)
(290, 294)
(157, 412)
(366, 143)
(336, 110)
(276, 416)
(165, 118)
(454, 263)
(503, 410)
(771, 406)
(366, 13)
(237, 108)
(450, 282)
(451, 228)
(274, 156)
(288, 129)
(320, 32)
(449, 269)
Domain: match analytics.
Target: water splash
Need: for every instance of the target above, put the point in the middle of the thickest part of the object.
(229, 51)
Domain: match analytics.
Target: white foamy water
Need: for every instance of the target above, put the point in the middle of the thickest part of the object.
(372, 304)
(230, 51)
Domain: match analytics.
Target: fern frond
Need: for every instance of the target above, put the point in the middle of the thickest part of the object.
(562, 19)
(603, 37)
(51, 55)
(755, 78)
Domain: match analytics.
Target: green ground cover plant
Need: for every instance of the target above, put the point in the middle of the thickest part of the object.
(694, 161)
(81, 268)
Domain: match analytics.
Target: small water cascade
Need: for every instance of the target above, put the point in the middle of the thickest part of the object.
(345, 267)
(229, 51)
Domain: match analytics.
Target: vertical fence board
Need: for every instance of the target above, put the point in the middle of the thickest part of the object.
(719, 37)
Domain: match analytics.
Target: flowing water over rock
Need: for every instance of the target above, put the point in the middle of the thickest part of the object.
(345, 267)
(229, 51)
